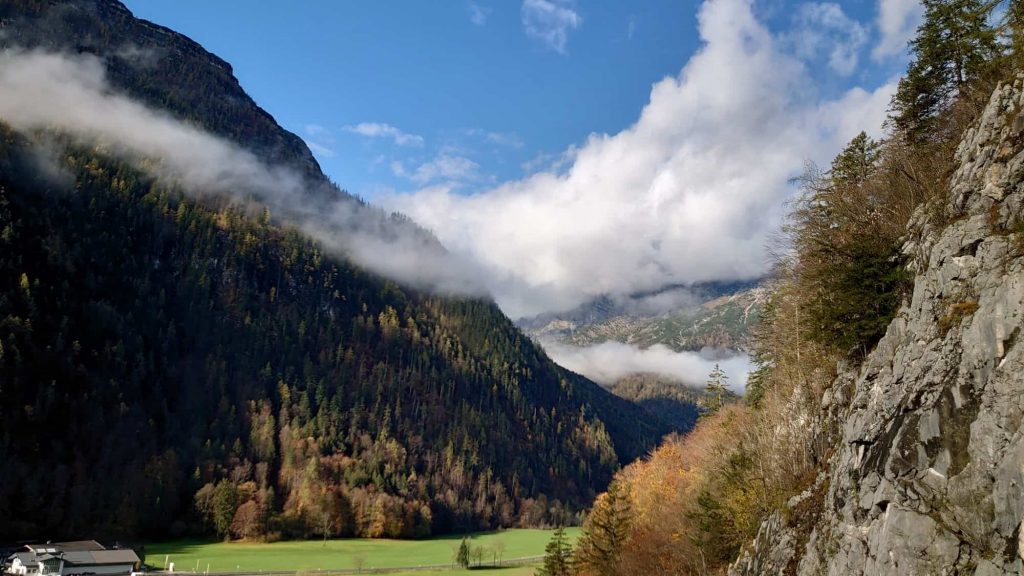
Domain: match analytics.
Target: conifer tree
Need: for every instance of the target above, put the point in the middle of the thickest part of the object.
(716, 389)
(605, 532)
(954, 46)
(1015, 30)
(462, 556)
(557, 556)
(856, 162)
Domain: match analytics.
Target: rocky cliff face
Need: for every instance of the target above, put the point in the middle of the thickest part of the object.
(929, 475)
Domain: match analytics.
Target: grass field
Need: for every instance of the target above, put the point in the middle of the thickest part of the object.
(189, 556)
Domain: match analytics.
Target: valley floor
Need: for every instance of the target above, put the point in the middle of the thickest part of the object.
(189, 556)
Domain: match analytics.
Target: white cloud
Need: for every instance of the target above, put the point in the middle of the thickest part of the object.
(506, 139)
(398, 169)
(691, 192)
(319, 132)
(897, 22)
(858, 109)
(444, 167)
(550, 162)
(823, 28)
(70, 93)
(138, 56)
(478, 14)
(319, 139)
(550, 21)
(609, 361)
(381, 130)
(319, 149)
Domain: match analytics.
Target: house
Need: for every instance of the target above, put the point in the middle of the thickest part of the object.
(79, 558)
(23, 564)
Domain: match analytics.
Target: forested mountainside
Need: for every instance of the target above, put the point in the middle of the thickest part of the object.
(669, 400)
(170, 366)
(711, 315)
(881, 433)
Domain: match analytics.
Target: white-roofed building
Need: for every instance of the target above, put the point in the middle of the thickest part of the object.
(78, 558)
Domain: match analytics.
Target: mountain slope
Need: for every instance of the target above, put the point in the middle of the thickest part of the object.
(703, 316)
(168, 366)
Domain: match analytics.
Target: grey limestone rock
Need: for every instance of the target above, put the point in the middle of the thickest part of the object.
(929, 478)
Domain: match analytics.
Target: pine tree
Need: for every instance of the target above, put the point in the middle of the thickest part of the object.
(225, 502)
(856, 162)
(605, 532)
(462, 556)
(716, 389)
(557, 556)
(955, 45)
(1015, 28)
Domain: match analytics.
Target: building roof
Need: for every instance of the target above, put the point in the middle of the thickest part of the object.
(102, 557)
(79, 552)
(26, 558)
(73, 546)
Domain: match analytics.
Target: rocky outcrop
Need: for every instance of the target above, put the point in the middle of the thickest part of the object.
(929, 475)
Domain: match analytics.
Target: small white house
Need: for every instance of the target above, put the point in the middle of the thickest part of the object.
(24, 564)
(79, 558)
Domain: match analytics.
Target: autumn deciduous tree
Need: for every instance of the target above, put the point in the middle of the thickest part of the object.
(499, 549)
(247, 522)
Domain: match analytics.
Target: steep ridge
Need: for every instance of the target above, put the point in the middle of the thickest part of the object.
(174, 367)
(158, 66)
(928, 471)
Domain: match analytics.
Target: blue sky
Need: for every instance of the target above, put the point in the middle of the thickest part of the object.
(483, 90)
(568, 149)
(465, 77)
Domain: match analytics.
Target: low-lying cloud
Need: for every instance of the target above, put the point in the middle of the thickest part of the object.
(609, 361)
(46, 91)
(691, 192)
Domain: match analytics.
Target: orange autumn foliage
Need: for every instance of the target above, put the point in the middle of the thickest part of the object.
(664, 488)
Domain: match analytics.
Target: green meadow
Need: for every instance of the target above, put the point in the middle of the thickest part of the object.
(355, 553)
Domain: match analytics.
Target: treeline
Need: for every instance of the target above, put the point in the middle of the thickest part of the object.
(693, 504)
(171, 368)
(668, 400)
